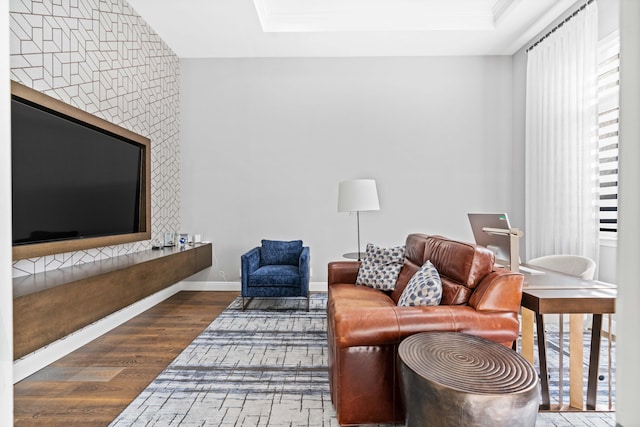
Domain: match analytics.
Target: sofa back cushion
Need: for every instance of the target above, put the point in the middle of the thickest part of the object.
(413, 255)
(461, 266)
(276, 252)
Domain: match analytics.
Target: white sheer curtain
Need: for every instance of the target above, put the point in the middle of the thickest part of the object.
(561, 141)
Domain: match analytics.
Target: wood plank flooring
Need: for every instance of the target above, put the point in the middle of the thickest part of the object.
(92, 385)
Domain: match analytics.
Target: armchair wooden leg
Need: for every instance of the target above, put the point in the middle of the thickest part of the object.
(308, 300)
(245, 305)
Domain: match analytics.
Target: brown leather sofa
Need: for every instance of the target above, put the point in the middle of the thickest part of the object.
(365, 325)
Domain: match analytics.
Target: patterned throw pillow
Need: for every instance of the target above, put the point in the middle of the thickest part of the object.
(380, 267)
(424, 288)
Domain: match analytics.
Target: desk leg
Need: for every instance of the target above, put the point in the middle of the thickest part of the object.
(594, 362)
(527, 334)
(542, 357)
(576, 370)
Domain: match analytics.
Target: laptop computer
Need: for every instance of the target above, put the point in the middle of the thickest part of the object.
(499, 244)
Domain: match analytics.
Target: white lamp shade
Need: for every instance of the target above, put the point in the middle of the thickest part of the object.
(358, 195)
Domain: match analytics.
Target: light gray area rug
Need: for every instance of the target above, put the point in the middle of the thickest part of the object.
(266, 366)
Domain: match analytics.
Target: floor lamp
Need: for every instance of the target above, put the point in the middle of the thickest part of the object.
(358, 195)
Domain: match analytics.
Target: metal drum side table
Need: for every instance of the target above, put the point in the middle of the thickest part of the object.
(454, 379)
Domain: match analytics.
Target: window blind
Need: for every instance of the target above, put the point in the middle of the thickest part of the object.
(608, 118)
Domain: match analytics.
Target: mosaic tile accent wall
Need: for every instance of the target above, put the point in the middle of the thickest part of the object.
(102, 57)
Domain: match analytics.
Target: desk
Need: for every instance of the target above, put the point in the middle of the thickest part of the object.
(557, 293)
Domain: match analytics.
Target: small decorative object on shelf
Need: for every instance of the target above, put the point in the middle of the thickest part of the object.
(156, 244)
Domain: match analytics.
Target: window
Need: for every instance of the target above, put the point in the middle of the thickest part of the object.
(608, 115)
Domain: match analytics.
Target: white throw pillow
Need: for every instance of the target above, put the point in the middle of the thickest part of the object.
(380, 267)
(424, 288)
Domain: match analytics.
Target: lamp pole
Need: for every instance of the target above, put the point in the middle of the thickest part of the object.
(358, 221)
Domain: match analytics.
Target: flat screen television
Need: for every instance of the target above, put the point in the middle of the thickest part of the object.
(77, 181)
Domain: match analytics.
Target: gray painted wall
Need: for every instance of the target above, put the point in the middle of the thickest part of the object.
(266, 141)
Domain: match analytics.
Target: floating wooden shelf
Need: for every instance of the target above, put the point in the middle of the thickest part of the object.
(51, 305)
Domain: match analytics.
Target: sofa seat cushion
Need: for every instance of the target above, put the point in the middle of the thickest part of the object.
(359, 314)
(347, 296)
(268, 275)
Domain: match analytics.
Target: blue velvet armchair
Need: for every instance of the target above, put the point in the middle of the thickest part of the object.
(276, 269)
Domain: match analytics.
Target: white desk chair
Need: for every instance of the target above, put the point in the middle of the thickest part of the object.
(573, 265)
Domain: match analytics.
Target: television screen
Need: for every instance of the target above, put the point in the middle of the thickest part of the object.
(70, 179)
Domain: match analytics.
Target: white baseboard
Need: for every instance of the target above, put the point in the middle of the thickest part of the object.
(235, 286)
(318, 286)
(33, 362)
(211, 286)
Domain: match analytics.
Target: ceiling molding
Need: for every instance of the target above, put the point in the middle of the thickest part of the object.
(502, 8)
(377, 15)
(347, 28)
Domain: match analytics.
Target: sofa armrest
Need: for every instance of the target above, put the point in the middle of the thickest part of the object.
(500, 290)
(499, 326)
(249, 263)
(343, 272)
(389, 325)
(303, 265)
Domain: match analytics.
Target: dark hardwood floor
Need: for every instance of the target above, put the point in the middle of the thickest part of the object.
(92, 385)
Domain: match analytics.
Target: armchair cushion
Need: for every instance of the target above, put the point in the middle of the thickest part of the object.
(424, 288)
(275, 252)
(282, 275)
(380, 267)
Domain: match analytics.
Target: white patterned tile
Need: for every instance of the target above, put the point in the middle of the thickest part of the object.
(19, 74)
(35, 73)
(54, 261)
(20, 30)
(56, 66)
(103, 58)
(33, 20)
(20, 6)
(47, 75)
(29, 46)
(39, 264)
(61, 10)
(21, 61)
(47, 29)
(42, 8)
(23, 267)
(33, 60)
(40, 84)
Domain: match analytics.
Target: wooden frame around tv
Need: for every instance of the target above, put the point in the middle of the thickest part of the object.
(50, 248)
